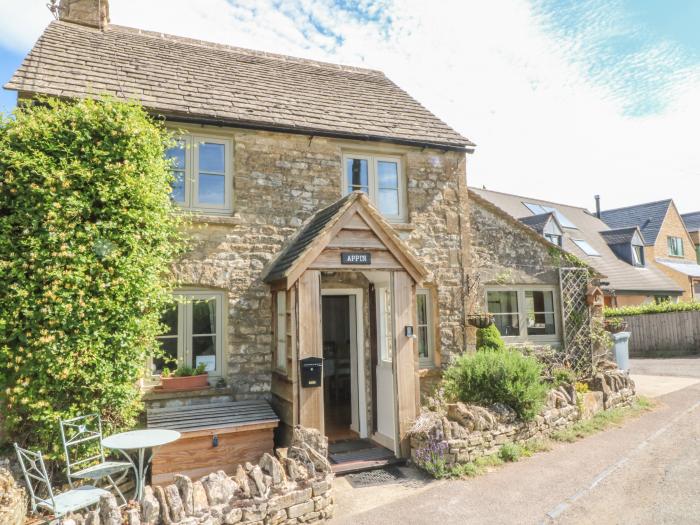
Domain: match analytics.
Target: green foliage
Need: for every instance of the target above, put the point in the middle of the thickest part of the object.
(498, 376)
(563, 376)
(602, 421)
(489, 338)
(510, 452)
(87, 234)
(661, 308)
(188, 371)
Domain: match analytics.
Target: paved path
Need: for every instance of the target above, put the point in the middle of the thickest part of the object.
(646, 472)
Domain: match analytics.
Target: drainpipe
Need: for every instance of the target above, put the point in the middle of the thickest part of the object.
(597, 206)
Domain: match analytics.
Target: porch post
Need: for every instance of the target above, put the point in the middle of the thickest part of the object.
(405, 359)
(310, 345)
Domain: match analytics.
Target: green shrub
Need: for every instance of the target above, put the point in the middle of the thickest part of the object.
(661, 308)
(510, 452)
(489, 338)
(563, 376)
(498, 376)
(87, 235)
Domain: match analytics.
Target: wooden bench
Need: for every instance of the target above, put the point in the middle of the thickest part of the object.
(215, 436)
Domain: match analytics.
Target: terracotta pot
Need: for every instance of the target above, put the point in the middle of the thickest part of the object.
(480, 320)
(184, 383)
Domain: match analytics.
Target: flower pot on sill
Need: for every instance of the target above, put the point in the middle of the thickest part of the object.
(177, 384)
(480, 320)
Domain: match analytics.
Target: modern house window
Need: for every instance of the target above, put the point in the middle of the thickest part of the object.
(553, 233)
(638, 255)
(381, 178)
(586, 247)
(525, 312)
(193, 332)
(281, 331)
(675, 246)
(202, 171)
(424, 328)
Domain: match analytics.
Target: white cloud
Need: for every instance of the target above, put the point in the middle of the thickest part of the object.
(546, 125)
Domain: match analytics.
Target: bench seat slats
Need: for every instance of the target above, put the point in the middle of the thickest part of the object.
(211, 416)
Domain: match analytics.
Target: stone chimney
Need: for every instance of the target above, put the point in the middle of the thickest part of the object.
(92, 13)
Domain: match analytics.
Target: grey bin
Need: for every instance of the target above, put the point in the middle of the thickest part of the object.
(621, 349)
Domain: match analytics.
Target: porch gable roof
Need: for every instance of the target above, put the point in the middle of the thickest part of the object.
(323, 226)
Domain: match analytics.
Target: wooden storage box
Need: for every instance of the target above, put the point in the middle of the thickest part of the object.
(216, 436)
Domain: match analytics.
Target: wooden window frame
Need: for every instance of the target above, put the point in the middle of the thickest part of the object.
(281, 346)
(184, 327)
(522, 312)
(429, 360)
(191, 180)
(373, 181)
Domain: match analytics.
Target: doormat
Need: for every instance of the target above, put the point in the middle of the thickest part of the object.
(371, 478)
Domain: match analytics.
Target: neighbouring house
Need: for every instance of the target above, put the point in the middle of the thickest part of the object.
(329, 220)
(618, 254)
(668, 245)
(692, 224)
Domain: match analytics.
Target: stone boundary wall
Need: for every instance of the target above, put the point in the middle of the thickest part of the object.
(13, 499)
(292, 488)
(463, 433)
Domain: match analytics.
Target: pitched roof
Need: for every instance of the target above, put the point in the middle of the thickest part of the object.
(203, 81)
(649, 217)
(318, 231)
(621, 235)
(687, 268)
(538, 222)
(621, 276)
(692, 221)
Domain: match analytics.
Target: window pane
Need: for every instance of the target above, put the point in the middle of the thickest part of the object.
(422, 307)
(540, 313)
(389, 202)
(176, 155)
(423, 342)
(211, 189)
(204, 351)
(388, 173)
(586, 247)
(204, 316)
(169, 319)
(169, 347)
(281, 330)
(211, 157)
(507, 324)
(503, 302)
(178, 187)
(357, 172)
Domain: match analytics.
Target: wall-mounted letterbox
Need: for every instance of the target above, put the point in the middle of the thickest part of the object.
(311, 371)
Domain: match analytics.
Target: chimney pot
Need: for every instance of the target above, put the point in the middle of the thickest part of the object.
(92, 13)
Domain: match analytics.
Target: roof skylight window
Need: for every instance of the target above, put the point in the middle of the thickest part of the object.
(539, 209)
(586, 248)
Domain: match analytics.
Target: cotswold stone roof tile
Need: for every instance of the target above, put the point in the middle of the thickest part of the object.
(205, 80)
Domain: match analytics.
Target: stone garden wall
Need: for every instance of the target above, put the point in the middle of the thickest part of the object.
(13, 499)
(463, 433)
(292, 488)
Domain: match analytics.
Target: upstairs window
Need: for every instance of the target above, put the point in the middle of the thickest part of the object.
(638, 255)
(202, 171)
(539, 209)
(675, 246)
(586, 247)
(381, 178)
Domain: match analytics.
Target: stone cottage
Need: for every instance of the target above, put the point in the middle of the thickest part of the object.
(328, 218)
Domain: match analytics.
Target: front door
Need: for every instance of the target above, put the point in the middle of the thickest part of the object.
(386, 420)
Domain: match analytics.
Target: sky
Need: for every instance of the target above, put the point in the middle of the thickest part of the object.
(565, 99)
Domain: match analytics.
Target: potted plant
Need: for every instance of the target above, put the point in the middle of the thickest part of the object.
(615, 325)
(184, 378)
(480, 320)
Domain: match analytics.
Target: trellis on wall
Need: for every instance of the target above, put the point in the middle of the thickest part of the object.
(576, 319)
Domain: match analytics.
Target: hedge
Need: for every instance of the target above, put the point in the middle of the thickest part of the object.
(661, 308)
(87, 235)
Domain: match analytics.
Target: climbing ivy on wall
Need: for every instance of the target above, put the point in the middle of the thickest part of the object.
(87, 234)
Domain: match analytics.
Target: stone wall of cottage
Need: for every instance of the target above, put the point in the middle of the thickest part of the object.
(280, 180)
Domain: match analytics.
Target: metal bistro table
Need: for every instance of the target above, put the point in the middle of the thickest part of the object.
(140, 440)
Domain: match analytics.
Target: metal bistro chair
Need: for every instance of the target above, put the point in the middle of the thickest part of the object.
(35, 476)
(85, 457)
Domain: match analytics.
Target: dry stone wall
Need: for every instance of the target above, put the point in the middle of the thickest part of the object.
(13, 499)
(462, 433)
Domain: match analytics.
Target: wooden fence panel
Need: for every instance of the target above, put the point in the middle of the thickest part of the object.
(664, 335)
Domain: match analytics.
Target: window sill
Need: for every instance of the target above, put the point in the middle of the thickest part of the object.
(403, 226)
(215, 219)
